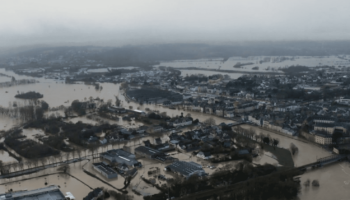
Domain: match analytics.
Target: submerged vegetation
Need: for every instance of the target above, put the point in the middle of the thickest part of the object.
(29, 95)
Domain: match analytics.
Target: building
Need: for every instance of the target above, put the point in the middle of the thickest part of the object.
(105, 170)
(186, 169)
(51, 192)
(323, 139)
(153, 154)
(119, 156)
(182, 122)
(204, 155)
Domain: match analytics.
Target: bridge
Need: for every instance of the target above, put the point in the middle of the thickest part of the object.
(324, 161)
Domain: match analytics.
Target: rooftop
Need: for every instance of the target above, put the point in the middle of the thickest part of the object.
(48, 193)
(186, 168)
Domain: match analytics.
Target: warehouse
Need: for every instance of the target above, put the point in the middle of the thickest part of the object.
(153, 154)
(105, 170)
(186, 169)
(119, 156)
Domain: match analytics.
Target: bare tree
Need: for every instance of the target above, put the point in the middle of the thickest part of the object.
(35, 162)
(14, 166)
(307, 183)
(256, 137)
(73, 154)
(20, 165)
(53, 159)
(315, 183)
(79, 153)
(29, 164)
(67, 156)
(60, 157)
(210, 121)
(43, 161)
(293, 149)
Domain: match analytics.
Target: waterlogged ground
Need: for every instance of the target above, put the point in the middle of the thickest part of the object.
(268, 64)
(334, 179)
(308, 152)
(334, 183)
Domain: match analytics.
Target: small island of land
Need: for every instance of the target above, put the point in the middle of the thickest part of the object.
(29, 95)
(240, 65)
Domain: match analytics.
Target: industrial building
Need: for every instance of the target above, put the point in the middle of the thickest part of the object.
(148, 152)
(186, 169)
(47, 193)
(105, 170)
(119, 156)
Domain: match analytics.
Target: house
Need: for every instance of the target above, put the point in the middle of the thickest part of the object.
(185, 169)
(157, 141)
(116, 109)
(182, 122)
(156, 129)
(204, 155)
(142, 129)
(147, 143)
(243, 152)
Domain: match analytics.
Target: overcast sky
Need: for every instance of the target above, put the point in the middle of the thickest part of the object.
(24, 22)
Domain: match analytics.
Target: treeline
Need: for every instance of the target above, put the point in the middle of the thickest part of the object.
(18, 82)
(77, 133)
(26, 113)
(29, 95)
(27, 147)
(243, 181)
(240, 65)
(149, 93)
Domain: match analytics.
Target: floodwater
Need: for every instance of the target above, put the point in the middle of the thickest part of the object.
(6, 158)
(7, 123)
(32, 133)
(58, 93)
(334, 182)
(264, 63)
(308, 152)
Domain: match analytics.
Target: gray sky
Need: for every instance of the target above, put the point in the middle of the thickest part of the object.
(24, 22)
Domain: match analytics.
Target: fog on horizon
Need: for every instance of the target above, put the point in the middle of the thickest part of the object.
(122, 22)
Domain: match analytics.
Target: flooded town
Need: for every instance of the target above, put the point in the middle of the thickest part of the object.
(174, 100)
(140, 132)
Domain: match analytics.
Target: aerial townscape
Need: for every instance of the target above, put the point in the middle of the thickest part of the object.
(95, 129)
(174, 100)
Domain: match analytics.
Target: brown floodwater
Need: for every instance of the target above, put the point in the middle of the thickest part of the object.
(334, 179)
(308, 152)
(6, 158)
(334, 182)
